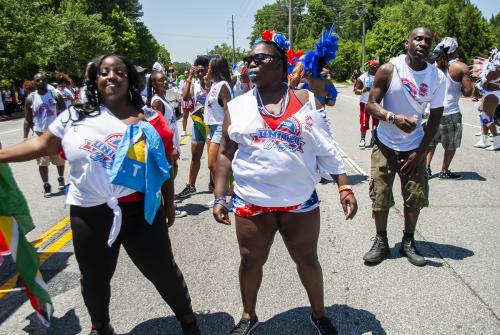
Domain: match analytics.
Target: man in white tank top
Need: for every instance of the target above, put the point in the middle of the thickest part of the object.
(458, 83)
(42, 107)
(407, 84)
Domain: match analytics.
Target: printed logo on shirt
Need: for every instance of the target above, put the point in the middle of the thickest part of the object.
(287, 137)
(103, 151)
(423, 89)
(45, 110)
(409, 86)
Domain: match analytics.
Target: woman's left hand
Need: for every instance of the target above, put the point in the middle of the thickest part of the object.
(170, 215)
(349, 204)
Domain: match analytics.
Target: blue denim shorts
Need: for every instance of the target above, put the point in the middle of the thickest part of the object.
(215, 133)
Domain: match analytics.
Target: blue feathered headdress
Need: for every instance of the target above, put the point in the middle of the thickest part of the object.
(326, 48)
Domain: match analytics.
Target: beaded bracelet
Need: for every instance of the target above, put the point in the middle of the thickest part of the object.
(219, 201)
(344, 188)
(348, 193)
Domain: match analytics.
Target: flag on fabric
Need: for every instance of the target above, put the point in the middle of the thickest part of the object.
(15, 223)
(198, 122)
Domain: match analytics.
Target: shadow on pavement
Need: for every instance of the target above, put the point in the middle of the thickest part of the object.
(69, 324)
(192, 209)
(357, 179)
(209, 323)
(438, 250)
(471, 176)
(346, 319)
(54, 265)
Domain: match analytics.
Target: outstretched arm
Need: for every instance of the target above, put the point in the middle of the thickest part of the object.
(38, 146)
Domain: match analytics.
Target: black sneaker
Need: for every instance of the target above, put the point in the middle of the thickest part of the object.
(187, 191)
(106, 330)
(428, 173)
(410, 251)
(323, 326)
(245, 327)
(449, 175)
(379, 251)
(47, 190)
(190, 328)
(60, 180)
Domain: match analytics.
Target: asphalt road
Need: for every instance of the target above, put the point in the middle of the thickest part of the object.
(457, 293)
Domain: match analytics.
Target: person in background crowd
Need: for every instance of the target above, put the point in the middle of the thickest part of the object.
(42, 107)
(63, 83)
(402, 142)
(157, 87)
(198, 92)
(355, 74)
(8, 101)
(158, 66)
(2, 107)
(186, 105)
(362, 88)
(242, 83)
(215, 105)
(458, 83)
(28, 87)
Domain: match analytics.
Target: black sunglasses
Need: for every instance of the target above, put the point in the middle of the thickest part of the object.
(260, 59)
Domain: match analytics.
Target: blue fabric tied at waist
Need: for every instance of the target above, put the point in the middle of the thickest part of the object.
(145, 177)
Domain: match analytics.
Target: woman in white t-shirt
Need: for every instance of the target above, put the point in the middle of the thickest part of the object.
(89, 135)
(277, 144)
(63, 82)
(215, 105)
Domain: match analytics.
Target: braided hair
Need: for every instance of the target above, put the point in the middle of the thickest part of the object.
(91, 108)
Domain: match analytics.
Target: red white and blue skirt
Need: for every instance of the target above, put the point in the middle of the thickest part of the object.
(246, 209)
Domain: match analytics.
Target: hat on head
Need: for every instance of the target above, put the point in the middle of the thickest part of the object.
(372, 63)
(446, 47)
(140, 69)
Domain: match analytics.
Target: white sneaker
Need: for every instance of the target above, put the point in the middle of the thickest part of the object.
(495, 145)
(479, 133)
(180, 214)
(210, 204)
(483, 142)
(362, 143)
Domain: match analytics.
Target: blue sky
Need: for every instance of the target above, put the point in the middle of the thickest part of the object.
(191, 27)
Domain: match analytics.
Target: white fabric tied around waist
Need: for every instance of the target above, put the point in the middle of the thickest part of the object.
(117, 220)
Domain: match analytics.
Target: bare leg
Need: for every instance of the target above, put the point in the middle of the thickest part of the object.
(44, 173)
(185, 115)
(60, 170)
(430, 153)
(448, 157)
(300, 233)
(194, 167)
(411, 218)
(213, 150)
(381, 219)
(255, 236)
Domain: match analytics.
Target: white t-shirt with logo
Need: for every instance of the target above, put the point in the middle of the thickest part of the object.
(422, 87)
(199, 96)
(214, 112)
(44, 109)
(67, 96)
(90, 146)
(367, 80)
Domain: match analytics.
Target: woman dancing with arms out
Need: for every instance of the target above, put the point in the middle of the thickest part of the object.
(277, 144)
(105, 216)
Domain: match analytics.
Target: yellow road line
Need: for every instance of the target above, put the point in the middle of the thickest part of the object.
(51, 232)
(184, 139)
(10, 284)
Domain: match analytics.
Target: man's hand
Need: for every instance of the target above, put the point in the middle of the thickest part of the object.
(409, 166)
(405, 123)
(221, 214)
(349, 204)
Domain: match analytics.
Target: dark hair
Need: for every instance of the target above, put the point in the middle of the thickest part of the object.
(282, 54)
(29, 86)
(92, 94)
(220, 68)
(63, 78)
(202, 60)
(150, 89)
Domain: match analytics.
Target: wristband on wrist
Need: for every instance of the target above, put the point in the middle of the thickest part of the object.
(221, 201)
(345, 188)
(388, 116)
(345, 196)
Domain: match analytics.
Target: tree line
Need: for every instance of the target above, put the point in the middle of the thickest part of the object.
(62, 35)
(387, 25)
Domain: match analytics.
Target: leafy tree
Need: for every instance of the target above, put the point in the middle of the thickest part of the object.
(348, 57)
(476, 33)
(275, 17)
(180, 68)
(147, 47)
(495, 27)
(226, 51)
(318, 17)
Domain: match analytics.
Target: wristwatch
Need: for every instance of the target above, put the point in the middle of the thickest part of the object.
(392, 118)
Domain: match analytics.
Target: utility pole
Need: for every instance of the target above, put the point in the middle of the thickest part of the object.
(290, 21)
(364, 35)
(232, 29)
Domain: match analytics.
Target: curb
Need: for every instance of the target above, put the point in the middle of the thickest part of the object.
(13, 116)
